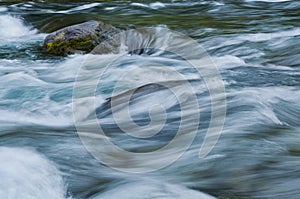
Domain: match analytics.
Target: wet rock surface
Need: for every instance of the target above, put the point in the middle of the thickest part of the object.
(81, 38)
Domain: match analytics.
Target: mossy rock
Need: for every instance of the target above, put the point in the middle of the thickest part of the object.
(79, 38)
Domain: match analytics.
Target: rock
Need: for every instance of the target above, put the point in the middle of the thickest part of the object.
(79, 38)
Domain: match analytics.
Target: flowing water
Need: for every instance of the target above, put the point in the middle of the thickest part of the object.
(254, 44)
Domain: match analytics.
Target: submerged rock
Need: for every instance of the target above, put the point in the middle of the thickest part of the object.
(80, 38)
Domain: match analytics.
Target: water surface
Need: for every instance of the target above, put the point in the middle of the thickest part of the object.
(254, 43)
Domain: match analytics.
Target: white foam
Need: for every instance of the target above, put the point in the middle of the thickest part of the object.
(145, 190)
(28, 175)
(228, 61)
(28, 5)
(257, 37)
(13, 28)
(49, 114)
(155, 5)
(263, 101)
(3, 9)
(20, 78)
(110, 8)
(269, 1)
(139, 5)
(83, 7)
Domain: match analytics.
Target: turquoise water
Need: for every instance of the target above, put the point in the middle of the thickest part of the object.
(254, 44)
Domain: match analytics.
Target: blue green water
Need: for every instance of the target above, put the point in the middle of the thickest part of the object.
(254, 44)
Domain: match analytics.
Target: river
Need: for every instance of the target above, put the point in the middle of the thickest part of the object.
(254, 45)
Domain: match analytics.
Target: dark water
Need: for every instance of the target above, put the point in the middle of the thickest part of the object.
(254, 44)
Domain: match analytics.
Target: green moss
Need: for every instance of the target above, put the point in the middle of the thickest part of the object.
(81, 45)
(52, 46)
